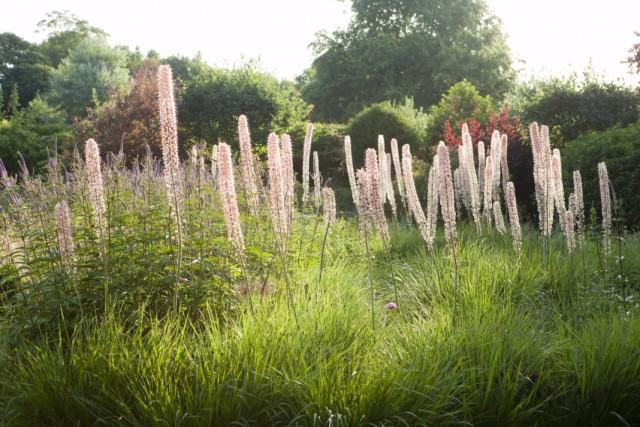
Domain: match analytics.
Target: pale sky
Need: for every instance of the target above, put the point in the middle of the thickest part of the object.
(550, 36)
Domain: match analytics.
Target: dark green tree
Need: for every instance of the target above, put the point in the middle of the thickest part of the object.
(398, 48)
(22, 65)
(33, 131)
(211, 100)
(572, 106)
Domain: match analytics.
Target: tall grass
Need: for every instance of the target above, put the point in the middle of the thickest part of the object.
(525, 350)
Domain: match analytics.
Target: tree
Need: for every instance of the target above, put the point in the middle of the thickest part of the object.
(398, 48)
(212, 100)
(131, 120)
(34, 131)
(22, 65)
(634, 56)
(93, 73)
(65, 32)
(571, 107)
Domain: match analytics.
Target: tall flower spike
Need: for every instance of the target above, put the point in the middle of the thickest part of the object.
(447, 206)
(412, 196)
(94, 181)
(328, 205)
(488, 187)
(605, 200)
(247, 170)
(363, 204)
(277, 208)
(504, 165)
(306, 154)
(376, 209)
(549, 189)
(514, 218)
(386, 187)
(391, 195)
(432, 199)
(579, 206)
(569, 230)
(227, 188)
(395, 155)
(461, 188)
(499, 218)
(317, 181)
(471, 177)
(65, 238)
(481, 171)
(349, 162)
(288, 179)
(169, 139)
(542, 176)
(496, 156)
(558, 187)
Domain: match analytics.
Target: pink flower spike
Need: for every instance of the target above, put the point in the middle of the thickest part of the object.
(391, 306)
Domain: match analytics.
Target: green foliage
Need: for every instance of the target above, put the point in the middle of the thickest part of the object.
(634, 56)
(65, 31)
(93, 73)
(211, 101)
(394, 49)
(130, 122)
(563, 356)
(22, 65)
(328, 141)
(619, 148)
(401, 122)
(571, 107)
(35, 132)
(459, 104)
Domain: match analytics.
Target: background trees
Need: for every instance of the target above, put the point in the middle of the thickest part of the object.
(211, 101)
(416, 48)
(65, 31)
(92, 73)
(131, 121)
(572, 106)
(22, 66)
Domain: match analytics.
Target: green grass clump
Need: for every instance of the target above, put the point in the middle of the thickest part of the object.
(527, 349)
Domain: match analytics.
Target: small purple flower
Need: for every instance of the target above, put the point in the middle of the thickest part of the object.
(391, 306)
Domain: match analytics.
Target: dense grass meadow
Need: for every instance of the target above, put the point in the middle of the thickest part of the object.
(217, 291)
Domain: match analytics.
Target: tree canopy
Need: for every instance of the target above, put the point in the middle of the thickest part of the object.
(211, 101)
(64, 32)
(22, 66)
(398, 48)
(571, 106)
(93, 72)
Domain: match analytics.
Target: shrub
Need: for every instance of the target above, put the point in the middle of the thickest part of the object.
(402, 122)
(328, 141)
(571, 107)
(460, 104)
(619, 148)
(34, 132)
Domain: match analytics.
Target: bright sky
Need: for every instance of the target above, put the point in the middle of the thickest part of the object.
(549, 36)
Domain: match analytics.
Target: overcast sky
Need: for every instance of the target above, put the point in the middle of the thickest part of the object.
(547, 36)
